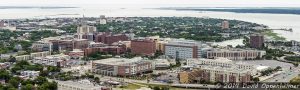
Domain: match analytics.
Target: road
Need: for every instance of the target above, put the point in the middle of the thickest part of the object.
(107, 78)
(286, 76)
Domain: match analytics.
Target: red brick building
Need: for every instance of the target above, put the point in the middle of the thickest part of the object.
(143, 47)
(108, 38)
(69, 44)
(106, 49)
(257, 41)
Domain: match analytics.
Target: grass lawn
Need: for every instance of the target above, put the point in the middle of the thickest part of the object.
(275, 36)
(131, 86)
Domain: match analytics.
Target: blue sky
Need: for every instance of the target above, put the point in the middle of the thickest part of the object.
(203, 3)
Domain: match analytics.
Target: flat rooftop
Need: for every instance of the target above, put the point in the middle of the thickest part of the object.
(120, 61)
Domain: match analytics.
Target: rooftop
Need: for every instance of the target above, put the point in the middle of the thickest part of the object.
(82, 84)
(120, 61)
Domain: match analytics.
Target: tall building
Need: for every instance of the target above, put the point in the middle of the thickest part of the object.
(2, 24)
(102, 19)
(257, 41)
(86, 29)
(86, 32)
(225, 25)
(143, 47)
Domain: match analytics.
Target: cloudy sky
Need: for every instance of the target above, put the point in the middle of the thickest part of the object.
(204, 3)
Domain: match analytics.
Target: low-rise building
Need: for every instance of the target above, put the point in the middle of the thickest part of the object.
(76, 54)
(236, 54)
(79, 85)
(100, 47)
(30, 74)
(122, 66)
(41, 46)
(221, 62)
(33, 55)
(59, 60)
(162, 64)
(215, 74)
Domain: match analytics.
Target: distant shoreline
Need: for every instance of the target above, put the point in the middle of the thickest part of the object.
(34, 7)
(267, 10)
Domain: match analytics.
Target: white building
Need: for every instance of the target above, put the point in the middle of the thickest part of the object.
(33, 55)
(162, 64)
(30, 74)
(53, 60)
(235, 54)
(122, 66)
(226, 64)
(78, 85)
(184, 49)
(86, 29)
(222, 62)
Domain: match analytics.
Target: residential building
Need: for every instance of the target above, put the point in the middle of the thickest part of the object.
(225, 25)
(257, 41)
(122, 66)
(235, 54)
(4, 65)
(143, 47)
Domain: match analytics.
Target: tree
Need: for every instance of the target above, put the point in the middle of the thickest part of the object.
(40, 80)
(156, 88)
(27, 87)
(97, 79)
(12, 59)
(256, 79)
(14, 82)
(4, 75)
